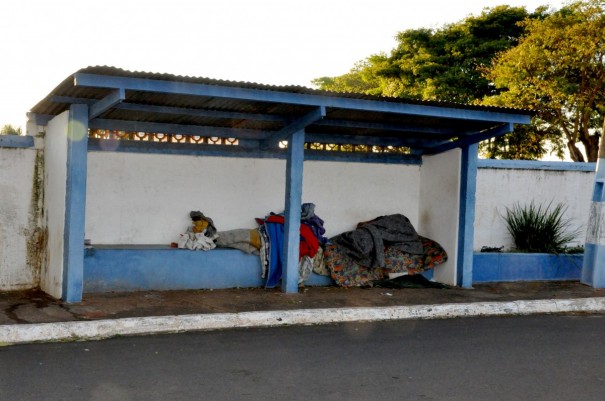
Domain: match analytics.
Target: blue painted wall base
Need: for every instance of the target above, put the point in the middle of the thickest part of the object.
(138, 268)
(499, 267)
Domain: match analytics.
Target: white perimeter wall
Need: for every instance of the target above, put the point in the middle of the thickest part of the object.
(439, 208)
(55, 178)
(146, 198)
(16, 184)
(501, 188)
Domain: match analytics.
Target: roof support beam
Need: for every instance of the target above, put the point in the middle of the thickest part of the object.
(183, 129)
(199, 112)
(40, 119)
(277, 118)
(384, 127)
(82, 79)
(72, 100)
(472, 139)
(109, 101)
(296, 126)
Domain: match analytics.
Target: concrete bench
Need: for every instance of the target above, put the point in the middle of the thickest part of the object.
(160, 267)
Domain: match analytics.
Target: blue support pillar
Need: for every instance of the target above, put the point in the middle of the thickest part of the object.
(466, 232)
(593, 269)
(75, 203)
(294, 181)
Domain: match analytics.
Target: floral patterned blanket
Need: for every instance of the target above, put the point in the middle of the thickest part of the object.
(347, 272)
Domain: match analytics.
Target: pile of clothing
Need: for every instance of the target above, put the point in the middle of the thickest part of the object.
(267, 241)
(366, 256)
(272, 255)
(200, 235)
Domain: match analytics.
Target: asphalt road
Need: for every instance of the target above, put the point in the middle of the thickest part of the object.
(515, 358)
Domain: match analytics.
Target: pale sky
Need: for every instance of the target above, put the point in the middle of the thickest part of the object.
(277, 42)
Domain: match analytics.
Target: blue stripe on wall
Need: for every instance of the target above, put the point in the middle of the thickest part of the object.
(536, 165)
(16, 141)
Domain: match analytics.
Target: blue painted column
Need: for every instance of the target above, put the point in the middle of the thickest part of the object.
(466, 231)
(75, 203)
(593, 269)
(294, 181)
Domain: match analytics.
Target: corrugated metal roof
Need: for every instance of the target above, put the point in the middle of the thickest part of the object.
(273, 109)
(66, 88)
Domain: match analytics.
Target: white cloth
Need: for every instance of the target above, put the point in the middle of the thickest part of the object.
(196, 241)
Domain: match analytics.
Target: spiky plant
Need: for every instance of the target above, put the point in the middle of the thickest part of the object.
(540, 228)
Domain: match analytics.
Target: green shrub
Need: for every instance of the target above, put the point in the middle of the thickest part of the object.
(540, 228)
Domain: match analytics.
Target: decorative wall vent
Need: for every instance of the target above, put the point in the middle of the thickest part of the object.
(213, 140)
(159, 137)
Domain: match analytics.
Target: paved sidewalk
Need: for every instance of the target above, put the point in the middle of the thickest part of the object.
(32, 316)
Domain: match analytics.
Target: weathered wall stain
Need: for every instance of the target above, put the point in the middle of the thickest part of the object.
(37, 235)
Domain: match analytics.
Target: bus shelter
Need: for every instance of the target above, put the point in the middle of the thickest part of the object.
(257, 121)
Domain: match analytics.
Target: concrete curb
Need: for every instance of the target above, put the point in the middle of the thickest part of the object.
(101, 329)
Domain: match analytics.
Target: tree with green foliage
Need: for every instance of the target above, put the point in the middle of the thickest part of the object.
(448, 64)
(441, 64)
(558, 70)
(8, 129)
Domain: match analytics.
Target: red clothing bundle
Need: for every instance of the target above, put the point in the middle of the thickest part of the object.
(308, 242)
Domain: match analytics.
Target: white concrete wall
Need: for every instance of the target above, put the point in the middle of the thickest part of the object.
(55, 177)
(347, 193)
(439, 207)
(146, 198)
(17, 225)
(501, 188)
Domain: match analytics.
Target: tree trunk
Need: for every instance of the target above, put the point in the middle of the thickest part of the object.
(602, 144)
(592, 148)
(575, 153)
(590, 142)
